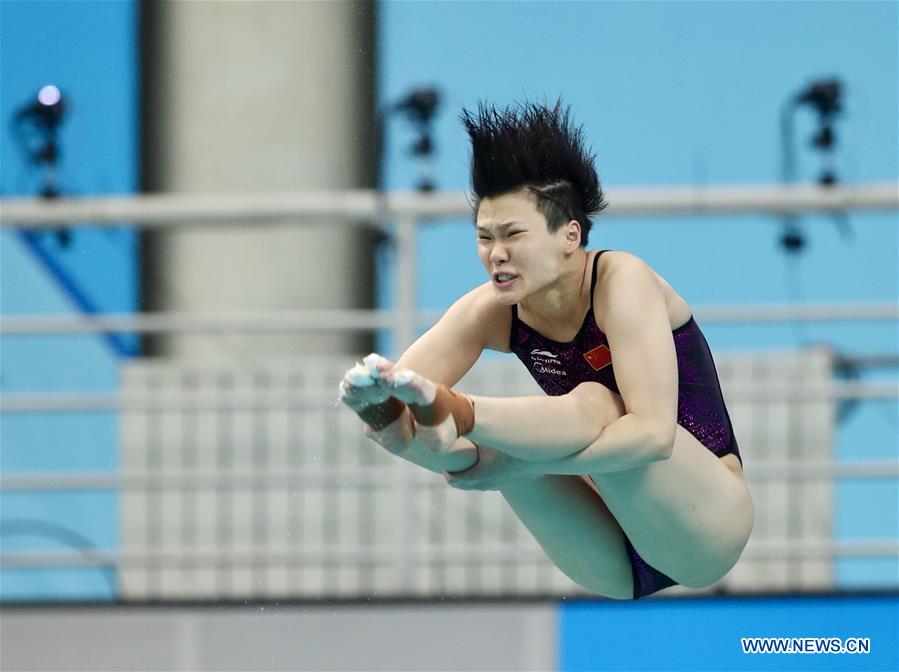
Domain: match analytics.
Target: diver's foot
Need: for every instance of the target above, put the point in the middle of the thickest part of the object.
(405, 384)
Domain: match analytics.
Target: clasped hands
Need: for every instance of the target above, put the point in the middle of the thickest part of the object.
(380, 393)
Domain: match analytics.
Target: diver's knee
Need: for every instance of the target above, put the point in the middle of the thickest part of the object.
(598, 401)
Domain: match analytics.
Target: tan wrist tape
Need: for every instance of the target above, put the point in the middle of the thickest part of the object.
(378, 416)
(446, 403)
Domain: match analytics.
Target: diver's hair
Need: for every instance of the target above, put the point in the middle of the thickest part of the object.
(533, 147)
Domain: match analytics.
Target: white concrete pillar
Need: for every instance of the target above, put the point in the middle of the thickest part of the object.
(258, 96)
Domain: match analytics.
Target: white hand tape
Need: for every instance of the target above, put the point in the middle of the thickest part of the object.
(404, 377)
(359, 376)
(371, 363)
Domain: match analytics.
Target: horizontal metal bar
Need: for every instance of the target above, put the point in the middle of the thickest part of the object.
(180, 209)
(372, 477)
(868, 361)
(307, 320)
(824, 549)
(813, 393)
(261, 556)
(385, 555)
(164, 400)
(746, 199)
(832, 312)
(809, 470)
(168, 399)
(378, 477)
(168, 210)
(370, 320)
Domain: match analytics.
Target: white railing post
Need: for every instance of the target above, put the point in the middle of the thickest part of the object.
(406, 290)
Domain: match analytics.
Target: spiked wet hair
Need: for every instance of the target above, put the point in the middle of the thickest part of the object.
(533, 147)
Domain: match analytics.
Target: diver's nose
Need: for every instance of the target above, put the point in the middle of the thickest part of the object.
(498, 254)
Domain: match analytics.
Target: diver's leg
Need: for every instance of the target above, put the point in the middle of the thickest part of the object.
(533, 428)
(689, 516)
(576, 531)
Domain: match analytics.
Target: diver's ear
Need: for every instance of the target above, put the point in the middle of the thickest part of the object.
(572, 236)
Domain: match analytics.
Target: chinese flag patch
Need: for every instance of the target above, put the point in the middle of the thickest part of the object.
(599, 357)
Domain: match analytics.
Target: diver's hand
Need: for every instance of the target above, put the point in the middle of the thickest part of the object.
(441, 415)
(386, 419)
(359, 389)
(371, 389)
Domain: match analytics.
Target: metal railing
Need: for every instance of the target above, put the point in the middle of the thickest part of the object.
(402, 214)
(409, 549)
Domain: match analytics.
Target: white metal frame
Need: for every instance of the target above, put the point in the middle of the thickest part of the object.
(806, 470)
(386, 555)
(403, 213)
(249, 399)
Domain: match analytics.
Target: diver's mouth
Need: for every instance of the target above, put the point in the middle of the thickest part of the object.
(503, 280)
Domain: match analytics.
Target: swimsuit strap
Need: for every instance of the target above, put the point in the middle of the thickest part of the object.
(514, 327)
(593, 280)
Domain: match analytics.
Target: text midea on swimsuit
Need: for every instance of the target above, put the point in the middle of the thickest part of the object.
(545, 361)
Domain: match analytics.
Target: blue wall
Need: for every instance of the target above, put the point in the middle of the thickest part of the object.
(88, 49)
(685, 93)
(705, 634)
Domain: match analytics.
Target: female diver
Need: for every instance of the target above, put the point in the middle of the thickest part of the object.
(627, 473)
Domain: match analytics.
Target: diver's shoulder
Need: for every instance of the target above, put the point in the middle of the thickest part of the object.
(482, 297)
(488, 302)
(494, 318)
(679, 310)
(612, 259)
(614, 262)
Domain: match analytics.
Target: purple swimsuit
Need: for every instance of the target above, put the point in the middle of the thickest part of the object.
(560, 367)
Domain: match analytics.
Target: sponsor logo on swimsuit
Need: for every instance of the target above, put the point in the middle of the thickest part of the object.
(546, 362)
(599, 357)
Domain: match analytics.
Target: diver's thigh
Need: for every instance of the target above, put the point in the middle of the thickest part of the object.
(575, 529)
(688, 516)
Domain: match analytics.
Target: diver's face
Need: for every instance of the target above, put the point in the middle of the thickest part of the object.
(519, 253)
